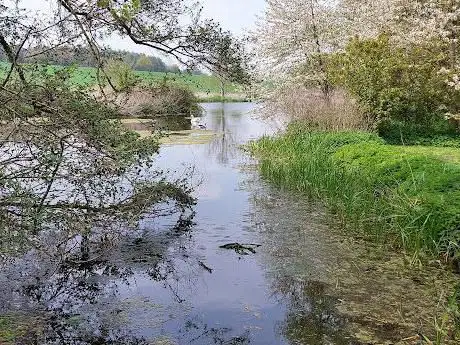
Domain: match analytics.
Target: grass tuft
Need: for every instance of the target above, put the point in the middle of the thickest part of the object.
(406, 196)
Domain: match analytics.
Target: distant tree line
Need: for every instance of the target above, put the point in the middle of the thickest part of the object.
(66, 56)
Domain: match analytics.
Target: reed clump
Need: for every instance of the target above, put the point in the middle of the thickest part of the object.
(401, 195)
(337, 112)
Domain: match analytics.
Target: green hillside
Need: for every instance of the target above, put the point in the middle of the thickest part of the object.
(86, 76)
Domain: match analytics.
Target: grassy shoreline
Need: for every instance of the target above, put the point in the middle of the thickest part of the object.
(405, 196)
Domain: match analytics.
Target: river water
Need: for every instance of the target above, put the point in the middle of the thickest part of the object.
(294, 285)
(250, 298)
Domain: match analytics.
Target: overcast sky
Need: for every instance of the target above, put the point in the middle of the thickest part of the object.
(234, 15)
(238, 16)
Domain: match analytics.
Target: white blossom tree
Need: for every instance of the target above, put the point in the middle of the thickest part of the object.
(292, 39)
(294, 35)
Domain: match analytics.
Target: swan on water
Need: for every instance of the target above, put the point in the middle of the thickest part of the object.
(196, 122)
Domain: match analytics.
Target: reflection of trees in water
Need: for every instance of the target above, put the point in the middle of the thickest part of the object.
(62, 301)
(75, 303)
(74, 298)
(224, 145)
(311, 317)
(198, 332)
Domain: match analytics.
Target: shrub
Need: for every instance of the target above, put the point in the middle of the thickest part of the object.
(172, 99)
(155, 100)
(121, 75)
(309, 106)
(395, 83)
(440, 133)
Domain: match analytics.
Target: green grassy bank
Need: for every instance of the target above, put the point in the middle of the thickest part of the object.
(407, 196)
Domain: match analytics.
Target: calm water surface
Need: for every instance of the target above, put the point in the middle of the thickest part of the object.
(218, 296)
(159, 288)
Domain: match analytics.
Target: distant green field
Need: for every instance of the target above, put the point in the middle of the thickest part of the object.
(86, 76)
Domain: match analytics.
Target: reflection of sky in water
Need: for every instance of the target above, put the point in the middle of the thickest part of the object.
(235, 295)
(187, 288)
(235, 125)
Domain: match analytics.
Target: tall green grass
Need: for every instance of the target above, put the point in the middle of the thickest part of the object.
(405, 197)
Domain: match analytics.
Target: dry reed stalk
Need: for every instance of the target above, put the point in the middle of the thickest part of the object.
(339, 112)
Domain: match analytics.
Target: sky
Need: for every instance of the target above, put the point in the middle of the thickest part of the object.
(238, 16)
(234, 15)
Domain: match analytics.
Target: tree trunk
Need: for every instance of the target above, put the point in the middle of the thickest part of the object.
(84, 248)
(222, 89)
(324, 83)
(12, 58)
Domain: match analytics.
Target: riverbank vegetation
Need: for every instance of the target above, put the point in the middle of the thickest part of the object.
(364, 87)
(372, 90)
(406, 196)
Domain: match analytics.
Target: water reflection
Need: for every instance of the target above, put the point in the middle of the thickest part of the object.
(296, 255)
(169, 281)
(77, 301)
(311, 317)
(197, 332)
(224, 121)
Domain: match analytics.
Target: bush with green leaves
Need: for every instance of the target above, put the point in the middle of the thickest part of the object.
(121, 75)
(397, 84)
(440, 133)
